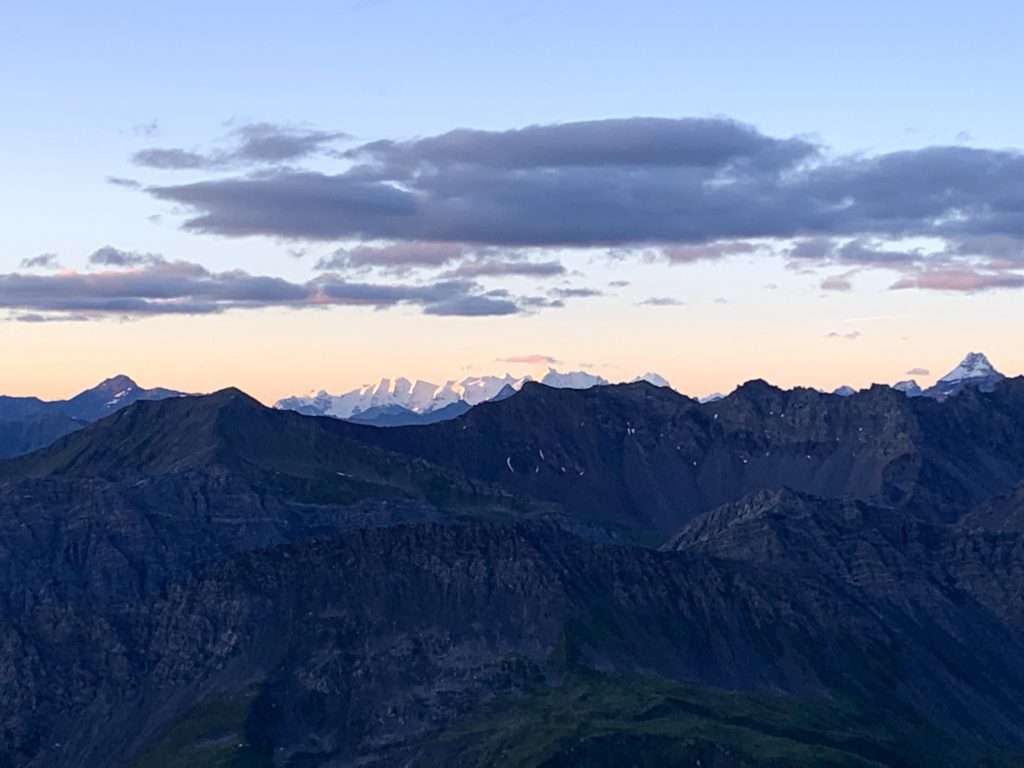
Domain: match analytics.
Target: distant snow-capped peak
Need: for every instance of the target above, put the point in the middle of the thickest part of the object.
(653, 378)
(844, 391)
(572, 380)
(974, 366)
(909, 387)
(423, 396)
(419, 396)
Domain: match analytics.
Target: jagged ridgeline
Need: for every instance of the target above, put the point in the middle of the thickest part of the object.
(617, 575)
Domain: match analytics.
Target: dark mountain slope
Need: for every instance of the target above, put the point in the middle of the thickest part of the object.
(645, 458)
(34, 431)
(227, 429)
(155, 493)
(1004, 513)
(361, 647)
(397, 416)
(883, 552)
(28, 423)
(14, 408)
(209, 555)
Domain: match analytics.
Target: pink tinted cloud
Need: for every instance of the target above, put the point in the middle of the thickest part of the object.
(530, 360)
(964, 280)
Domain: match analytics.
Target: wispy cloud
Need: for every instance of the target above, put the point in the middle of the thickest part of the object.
(42, 261)
(121, 181)
(851, 336)
(660, 301)
(529, 360)
(918, 372)
(575, 293)
(499, 267)
(840, 282)
(960, 280)
(248, 144)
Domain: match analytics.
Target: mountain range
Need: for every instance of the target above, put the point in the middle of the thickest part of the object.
(616, 575)
(28, 423)
(386, 396)
(401, 402)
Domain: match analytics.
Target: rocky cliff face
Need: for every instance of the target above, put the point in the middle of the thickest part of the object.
(364, 646)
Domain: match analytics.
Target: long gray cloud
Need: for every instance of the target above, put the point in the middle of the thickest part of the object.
(142, 285)
(619, 182)
(675, 190)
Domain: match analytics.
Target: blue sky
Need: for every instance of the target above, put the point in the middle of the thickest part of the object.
(89, 84)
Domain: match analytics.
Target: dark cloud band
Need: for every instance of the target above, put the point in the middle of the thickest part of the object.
(139, 285)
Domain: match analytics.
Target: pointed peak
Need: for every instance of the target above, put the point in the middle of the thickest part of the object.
(756, 386)
(231, 395)
(653, 378)
(909, 387)
(118, 382)
(974, 366)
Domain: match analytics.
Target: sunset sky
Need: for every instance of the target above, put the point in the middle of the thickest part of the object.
(312, 196)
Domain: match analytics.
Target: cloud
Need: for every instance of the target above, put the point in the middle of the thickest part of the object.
(248, 144)
(839, 282)
(680, 190)
(864, 252)
(660, 301)
(120, 181)
(42, 261)
(496, 267)
(396, 257)
(959, 280)
(918, 372)
(110, 256)
(689, 254)
(575, 293)
(171, 159)
(151, 128)
(618, 284)
(851, 336)
(139, 285)
(34, 317)
(618, 182)
(529, 360)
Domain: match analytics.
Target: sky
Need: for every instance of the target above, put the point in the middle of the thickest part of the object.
(289, 199)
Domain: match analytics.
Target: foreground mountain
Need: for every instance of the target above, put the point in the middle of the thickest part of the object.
(28, 423)
(204, 581)
(643, 460)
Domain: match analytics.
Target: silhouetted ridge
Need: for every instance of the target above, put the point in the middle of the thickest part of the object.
(152, 436)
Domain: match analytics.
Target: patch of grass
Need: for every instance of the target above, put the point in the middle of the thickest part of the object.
(595, 720)
(211, 735)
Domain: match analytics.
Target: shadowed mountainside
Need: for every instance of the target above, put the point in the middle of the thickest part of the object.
(204, 581)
